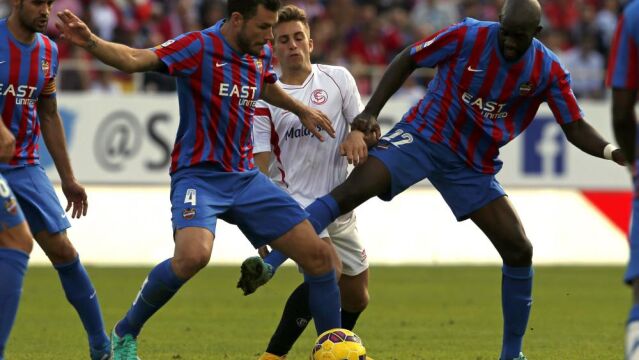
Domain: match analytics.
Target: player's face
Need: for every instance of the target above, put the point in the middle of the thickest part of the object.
(515, 38)
(293, 45)
(257, 31)
(34, 14)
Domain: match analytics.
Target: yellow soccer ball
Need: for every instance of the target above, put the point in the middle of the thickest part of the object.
(338, 344)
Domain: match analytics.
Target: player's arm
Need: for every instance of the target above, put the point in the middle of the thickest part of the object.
(7, 143)
(588, 140)
(624, 120)
(262, 160)
(55, 140)
(395, 75)
(119, 56)
(309, 117)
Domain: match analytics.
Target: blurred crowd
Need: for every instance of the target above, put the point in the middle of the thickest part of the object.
(361, 35)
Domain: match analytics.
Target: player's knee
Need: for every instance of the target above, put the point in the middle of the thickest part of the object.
(187, 265)
(519, 255)
(356, 302)
(61, 252)
(319, 260)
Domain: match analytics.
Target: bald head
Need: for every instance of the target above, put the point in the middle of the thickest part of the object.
(524, 12)
(519, 24)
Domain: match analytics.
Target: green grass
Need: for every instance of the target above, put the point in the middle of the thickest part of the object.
(414, 313)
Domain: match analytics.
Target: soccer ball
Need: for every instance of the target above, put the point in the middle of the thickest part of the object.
(338, 344)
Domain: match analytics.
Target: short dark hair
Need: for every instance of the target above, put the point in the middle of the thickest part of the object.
(248, 8)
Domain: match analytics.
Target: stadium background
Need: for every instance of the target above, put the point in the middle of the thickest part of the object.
(120, 129)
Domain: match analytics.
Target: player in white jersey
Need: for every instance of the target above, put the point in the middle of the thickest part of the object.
(306, 168)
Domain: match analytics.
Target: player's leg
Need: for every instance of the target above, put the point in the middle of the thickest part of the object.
(15, 246)
(195, 204)
(366, 181)
(267, 215)
(296, 315)
(632, 277)
(499, 221)
(48, 223)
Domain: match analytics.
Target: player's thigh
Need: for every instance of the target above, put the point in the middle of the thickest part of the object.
(195, 243)
(14, 233)
(350, 249)
(405, 161)
(464, 189)
(264, 212)
(632, 271)
(56, 246)
(198, 197)
(38, 199)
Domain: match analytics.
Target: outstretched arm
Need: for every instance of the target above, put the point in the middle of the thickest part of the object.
(309, 117)
(395, 75)
(54, 138)
(588, 140)
(624, 120)
(119, 56)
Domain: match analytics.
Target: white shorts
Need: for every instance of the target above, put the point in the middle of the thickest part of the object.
(344, 235)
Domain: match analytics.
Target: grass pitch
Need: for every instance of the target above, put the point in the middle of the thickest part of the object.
(415, 313)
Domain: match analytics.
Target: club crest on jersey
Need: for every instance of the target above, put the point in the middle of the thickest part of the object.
(188, 214)
(526, 88)
(258, 65)
(45, 67)
(319, 97)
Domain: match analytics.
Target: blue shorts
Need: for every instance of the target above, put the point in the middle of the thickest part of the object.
(632, 272)
(37, 198)
(10, 213)
(264, 212)
(410, 158)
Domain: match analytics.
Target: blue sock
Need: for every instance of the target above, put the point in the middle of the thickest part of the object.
(634, 313)
(158, 288)
(275, 259)
(516, 300)
(323, 211)
(13, 265)
(324, 301)
(82, 295)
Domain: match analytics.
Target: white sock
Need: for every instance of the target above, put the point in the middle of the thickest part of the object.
(632, 341)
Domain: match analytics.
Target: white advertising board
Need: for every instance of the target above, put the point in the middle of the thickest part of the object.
(128, 139)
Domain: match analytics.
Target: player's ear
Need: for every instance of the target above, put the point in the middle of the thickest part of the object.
(538, 30)
(310, 46)
(236, 19)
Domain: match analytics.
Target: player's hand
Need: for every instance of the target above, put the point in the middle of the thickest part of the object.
(367, 124)
(7, 144)
(74, 30)
(354, 148)
(313, 120)
(76, 198)
(619, 157)
(263, 251)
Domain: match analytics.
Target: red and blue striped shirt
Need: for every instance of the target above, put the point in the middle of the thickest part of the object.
(479, 101)
(623, 65)
(27, 72)
(218, 88)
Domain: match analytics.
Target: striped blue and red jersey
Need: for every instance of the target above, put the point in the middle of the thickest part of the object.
(623, 65)
(218, 89)
(478, 101)
(27, 72)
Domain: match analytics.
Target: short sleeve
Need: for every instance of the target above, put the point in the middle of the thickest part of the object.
(182, 55)
(439, 47)
(561, 98)
(262, 128)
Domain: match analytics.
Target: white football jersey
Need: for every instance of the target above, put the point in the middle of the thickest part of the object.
(302, 165)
